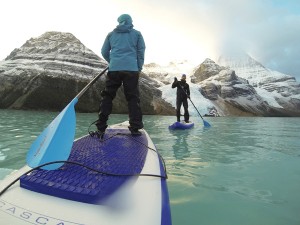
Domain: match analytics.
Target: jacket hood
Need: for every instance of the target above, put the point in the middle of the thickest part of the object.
(125, 19)
(125, 24)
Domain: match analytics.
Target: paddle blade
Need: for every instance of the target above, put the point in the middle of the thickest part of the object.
(56, 141)
(206, 124)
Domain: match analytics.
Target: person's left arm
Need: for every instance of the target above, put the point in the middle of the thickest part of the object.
(141, 47)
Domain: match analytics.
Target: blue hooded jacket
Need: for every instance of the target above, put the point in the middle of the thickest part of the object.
(124, 47)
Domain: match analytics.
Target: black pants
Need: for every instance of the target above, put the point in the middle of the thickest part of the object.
(130, 81)
(179, 102)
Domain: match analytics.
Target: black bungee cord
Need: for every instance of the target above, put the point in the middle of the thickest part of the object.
(92, 169)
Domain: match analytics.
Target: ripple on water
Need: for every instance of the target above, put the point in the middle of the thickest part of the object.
(2, 157)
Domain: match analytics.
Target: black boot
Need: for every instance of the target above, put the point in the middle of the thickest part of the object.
(100, 130)
(134, 131)
(99, 134)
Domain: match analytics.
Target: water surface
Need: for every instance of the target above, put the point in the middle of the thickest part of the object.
(242, 170)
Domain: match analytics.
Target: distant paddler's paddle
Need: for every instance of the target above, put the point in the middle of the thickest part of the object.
(205, 123)
(56, 141)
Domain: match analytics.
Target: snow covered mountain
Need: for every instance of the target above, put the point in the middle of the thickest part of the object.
(166, 73)
(230, 94)
(47, 72)
(240, 87)
(279, 90)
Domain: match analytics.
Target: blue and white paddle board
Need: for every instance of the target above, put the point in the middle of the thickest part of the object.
(73, 194)
(182, 125)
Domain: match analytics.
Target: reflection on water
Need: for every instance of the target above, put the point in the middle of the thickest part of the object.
(181, 145)
(239, 166)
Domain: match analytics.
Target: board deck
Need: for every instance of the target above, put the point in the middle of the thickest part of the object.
(74, 194)
(181, 125)
(117, 154)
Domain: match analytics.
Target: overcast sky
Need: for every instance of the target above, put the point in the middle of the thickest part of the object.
(268, 30)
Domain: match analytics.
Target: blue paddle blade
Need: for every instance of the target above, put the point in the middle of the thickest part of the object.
(206, 124)
(56, 141)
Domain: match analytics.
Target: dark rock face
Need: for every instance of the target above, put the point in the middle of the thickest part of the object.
(47, 72)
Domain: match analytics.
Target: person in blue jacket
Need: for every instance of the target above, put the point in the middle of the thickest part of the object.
(182, 94)
(124, 50)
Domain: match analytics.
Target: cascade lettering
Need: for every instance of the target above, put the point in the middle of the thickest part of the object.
(30, 216)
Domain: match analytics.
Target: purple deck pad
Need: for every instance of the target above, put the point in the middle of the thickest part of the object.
(118, 153)
(181, 126)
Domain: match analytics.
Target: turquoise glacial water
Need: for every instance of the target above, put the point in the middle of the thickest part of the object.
(241, 171)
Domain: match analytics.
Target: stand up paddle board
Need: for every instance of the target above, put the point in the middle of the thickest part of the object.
(181, 125)
(119, 180)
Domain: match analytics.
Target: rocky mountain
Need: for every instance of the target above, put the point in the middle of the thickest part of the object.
(47, 72)
(243, 88)
(230, 94)
(280, 91)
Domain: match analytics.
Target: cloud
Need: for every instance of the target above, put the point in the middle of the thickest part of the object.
(268, 30)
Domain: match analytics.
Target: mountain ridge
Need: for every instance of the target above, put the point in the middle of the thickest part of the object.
(48, 71)
(248, 89)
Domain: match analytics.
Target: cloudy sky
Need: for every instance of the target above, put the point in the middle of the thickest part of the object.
(268, 30)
